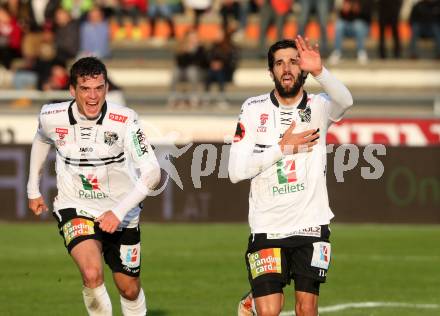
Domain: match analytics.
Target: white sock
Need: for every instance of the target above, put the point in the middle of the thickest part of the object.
(97, 301)
(138, 307)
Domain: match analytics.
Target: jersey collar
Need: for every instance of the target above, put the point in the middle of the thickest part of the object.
(301, 105)
(73, 121)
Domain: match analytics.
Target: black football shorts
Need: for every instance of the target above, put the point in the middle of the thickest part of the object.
(121, 250)
(272, 262)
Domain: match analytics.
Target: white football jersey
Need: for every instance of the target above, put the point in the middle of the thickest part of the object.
(96, 161)
(288, 192)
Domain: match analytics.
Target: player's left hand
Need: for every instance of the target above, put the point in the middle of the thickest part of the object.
(108, 222)
(309, 56)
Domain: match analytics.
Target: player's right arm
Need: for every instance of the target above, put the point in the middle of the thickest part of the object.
(40, 150)
(244, 163)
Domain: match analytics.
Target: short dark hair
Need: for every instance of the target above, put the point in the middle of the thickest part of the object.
(87, 66)
(285, 43)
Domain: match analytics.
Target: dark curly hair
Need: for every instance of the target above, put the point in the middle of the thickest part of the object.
(285, 43)
(87, 66)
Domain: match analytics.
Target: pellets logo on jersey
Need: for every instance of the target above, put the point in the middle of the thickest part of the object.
(321, 255)
(117, 117)
(90, 182)
(62, 132)
(239, 132)
(139, 141)
(91, 188)
(110, 138)
(130, 256)
(77, 227)
(286, 171)
(265, 261)
(286, 174)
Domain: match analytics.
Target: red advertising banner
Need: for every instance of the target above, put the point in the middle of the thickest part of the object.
(392, 132)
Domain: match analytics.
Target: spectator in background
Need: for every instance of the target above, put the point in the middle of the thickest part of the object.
(162, 9)
(197, 8)
(77, 8)
(222, 60)
(58, 78)
(228, 9)
(425, 23)
(354, 17)
(38, 36)
(66, 36)
(94, 34)
(389, 11)
(131, 8)
(189, 58)
(270, 11)
(321, 8)
(10, 38)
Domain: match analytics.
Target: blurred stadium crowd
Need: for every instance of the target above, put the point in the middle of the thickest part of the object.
(39, 38)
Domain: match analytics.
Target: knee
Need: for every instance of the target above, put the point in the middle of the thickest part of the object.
(305, 309)
(92, 277)
(130, 292)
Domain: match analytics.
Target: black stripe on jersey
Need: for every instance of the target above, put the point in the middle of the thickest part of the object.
(92, 162)
(262, 146)
(259, 148)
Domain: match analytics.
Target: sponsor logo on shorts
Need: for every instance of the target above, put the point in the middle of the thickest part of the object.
(286, 173)
(84, 213)
(307, 232)
(117, 117)
(265, 261)
(321, 255)
(131, 256)
(77, 227)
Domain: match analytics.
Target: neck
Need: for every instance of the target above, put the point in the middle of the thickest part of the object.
(289, 101)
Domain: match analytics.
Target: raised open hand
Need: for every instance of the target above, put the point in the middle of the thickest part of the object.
(309, 56)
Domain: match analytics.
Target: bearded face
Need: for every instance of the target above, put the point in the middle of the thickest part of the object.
(288, 85)
(286, 73)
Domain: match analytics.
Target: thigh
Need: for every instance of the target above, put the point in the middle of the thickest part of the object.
(268, 269)
(87, 256)
(122, 251)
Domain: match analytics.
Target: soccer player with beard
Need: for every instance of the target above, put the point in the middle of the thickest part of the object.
(280, 144)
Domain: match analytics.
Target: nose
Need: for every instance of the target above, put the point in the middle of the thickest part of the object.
(287, 68)
(93, 94)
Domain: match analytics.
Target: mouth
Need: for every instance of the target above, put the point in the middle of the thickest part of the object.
(287, 79)
(92, 105)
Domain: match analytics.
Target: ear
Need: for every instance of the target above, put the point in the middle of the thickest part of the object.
(72, 91)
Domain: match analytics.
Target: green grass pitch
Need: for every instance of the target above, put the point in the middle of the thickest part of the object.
(198, 269)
